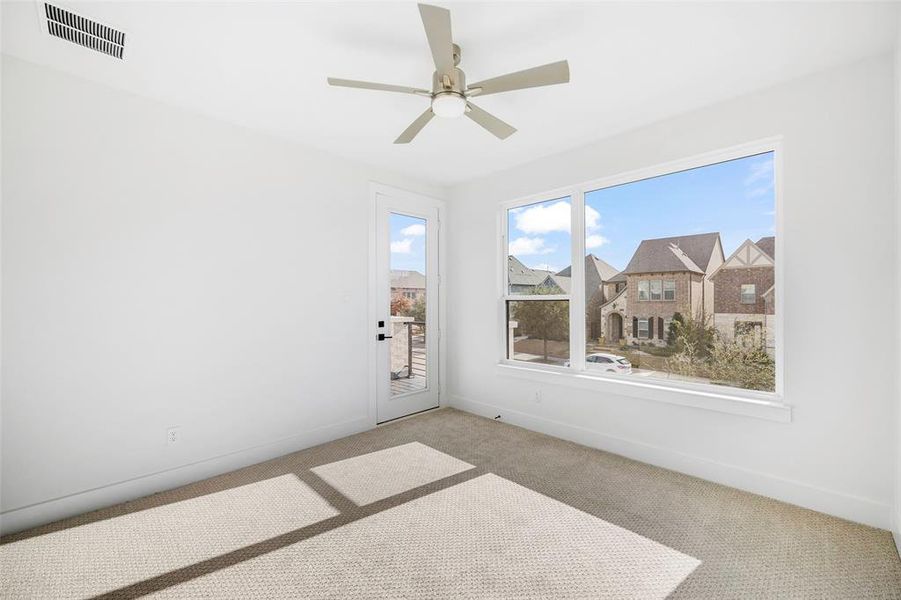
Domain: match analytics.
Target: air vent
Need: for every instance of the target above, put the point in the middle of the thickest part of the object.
(84, 32)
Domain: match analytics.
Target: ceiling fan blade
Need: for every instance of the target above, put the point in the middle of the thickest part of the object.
(415, 127)
(490, 122)
(437, 23)
(382, 87)
(550, 74)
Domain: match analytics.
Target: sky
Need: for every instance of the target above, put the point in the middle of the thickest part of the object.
(735, 198)
(407, 243)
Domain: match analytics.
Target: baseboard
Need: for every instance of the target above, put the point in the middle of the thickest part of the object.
(845, 506)
(81, 502)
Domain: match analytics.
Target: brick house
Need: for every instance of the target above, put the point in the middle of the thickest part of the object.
(597, 274)
(407, 284)
(745, 293)
(665, 276)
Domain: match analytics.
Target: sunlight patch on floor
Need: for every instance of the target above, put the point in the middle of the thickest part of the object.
(487, 537)
(371, 477)
(98, 557)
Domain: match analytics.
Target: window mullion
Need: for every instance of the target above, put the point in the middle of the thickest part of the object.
(577, 283)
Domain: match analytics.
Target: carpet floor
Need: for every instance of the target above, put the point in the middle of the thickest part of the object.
(450, 505)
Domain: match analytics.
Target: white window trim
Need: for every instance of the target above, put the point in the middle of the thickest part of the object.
(765, 405)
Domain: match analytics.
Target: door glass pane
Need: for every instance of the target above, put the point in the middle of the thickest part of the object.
(539, 248)
(408, 363)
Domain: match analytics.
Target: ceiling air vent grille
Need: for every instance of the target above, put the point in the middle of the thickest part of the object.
(87, 33)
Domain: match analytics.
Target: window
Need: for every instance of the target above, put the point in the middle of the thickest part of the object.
(538, 282)
(669, 290)
(643, 330)
(684, 226)
(644, 290)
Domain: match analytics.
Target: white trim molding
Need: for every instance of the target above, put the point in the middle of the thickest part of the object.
(747, 404)
(838, 504)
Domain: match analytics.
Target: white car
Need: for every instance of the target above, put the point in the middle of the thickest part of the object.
(610, 363)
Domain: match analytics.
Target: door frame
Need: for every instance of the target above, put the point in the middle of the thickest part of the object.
(372, 315)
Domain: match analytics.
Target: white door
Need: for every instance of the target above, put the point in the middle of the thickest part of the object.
(406, 297)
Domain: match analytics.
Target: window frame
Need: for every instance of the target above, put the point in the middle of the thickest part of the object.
(647, 328)
(752, 403)
(646, 284)
(672, 281)
(741, 294)
(506, 296)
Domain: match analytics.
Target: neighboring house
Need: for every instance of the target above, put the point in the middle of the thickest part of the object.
(597, 274)
(524, 280)
(745, 293)
(407, 284)
(665, 276)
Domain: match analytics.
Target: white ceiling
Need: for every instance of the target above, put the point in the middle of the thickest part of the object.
(264, 65)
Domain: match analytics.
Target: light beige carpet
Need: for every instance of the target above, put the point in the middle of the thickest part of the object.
(579, 524)
(379, 475)
(486, 537)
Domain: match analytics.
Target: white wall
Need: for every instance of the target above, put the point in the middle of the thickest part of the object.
(897, 505)
(160, 269)
(839, 228)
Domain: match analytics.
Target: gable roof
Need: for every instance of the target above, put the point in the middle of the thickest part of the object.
(673, 254)
(748, 254)
(768, 245)
(519, 274)
(556, 280)
(603, 269)
(407, 279)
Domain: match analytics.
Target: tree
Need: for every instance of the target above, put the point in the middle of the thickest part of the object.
(400, 305)
(696, 335)
(544, 319)
(673, 332)
(417, 311)
(744, 363)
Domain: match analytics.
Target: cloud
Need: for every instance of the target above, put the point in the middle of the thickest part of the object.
(417, 229)
(592, 218)
(595, 241)
(759, 181)
(404, 246)
(544, 218)
(525, 246)
(760, 171)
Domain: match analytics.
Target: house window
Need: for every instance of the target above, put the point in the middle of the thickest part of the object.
(642, 234)
(538, 282)
(748, 293)
(643, 329)
(669, 290)
(644, 290)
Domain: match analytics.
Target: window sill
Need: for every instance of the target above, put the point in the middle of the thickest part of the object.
(749, 404)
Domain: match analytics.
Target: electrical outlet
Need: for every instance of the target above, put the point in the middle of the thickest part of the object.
(173, 435)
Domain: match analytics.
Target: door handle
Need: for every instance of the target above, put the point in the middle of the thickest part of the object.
(382, 337)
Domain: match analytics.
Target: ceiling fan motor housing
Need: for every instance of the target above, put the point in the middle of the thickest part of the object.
(456, 82)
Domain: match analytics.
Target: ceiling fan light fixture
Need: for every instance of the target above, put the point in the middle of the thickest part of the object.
(449, 105)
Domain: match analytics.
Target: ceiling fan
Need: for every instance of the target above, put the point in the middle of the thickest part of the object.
(450, 96)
